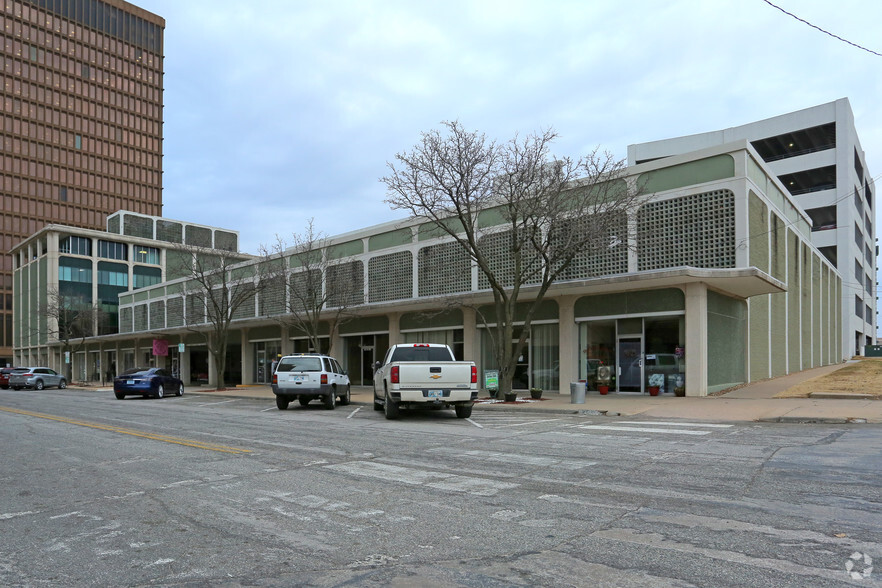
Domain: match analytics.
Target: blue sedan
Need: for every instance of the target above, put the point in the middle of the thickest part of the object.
(147, 382)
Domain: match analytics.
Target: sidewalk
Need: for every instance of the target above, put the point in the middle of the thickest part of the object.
(753, 402)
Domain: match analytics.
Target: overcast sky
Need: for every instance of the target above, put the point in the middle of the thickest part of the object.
(277, 111)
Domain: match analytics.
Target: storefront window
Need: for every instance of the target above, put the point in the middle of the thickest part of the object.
(664, 351)
(597, 345)
(545, 356)
(537, 366)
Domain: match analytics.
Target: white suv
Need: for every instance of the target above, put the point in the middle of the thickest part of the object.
(308, 376)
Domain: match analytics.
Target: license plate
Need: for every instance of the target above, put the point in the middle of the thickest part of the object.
(436, 393)
(130, 382)
(298, 378)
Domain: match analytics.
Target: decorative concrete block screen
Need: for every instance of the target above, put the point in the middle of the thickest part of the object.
(246, 293)
(125, 320)
(391, 277)
(140, 317)
(496, 248)
(157, 315)
(138, 226)
(226, 241)
(696, 230)
(175, 312)
(444, 269)
(169, 231)
(306, 290)
(198, 236)
(195, 309)
(346, 284)
(272, 298)
(113, 224)
(606, 255)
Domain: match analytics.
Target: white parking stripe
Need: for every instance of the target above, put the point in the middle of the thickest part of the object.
(474, 423)
(221, 402)
(645, 430)
(674, 424)
(352, 414)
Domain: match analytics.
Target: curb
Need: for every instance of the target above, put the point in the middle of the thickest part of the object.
(834, 396)
(814, 420)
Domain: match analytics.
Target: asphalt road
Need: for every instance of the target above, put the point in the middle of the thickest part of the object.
(199, 491)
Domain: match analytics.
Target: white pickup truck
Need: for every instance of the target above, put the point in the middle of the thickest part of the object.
(424, 374)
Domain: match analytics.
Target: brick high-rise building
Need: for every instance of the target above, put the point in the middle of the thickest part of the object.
(80, 120)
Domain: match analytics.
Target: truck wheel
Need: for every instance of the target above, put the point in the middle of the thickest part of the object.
(282, 403)
(463, 411)
(377, 405)
(390, 408)
(330, 401)
(345, 397)
(303, 400)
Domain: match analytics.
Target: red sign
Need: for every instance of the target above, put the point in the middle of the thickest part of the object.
(160, 347)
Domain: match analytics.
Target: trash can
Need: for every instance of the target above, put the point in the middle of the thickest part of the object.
(577, 392)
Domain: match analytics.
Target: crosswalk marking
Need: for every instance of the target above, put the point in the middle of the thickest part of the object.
(432, 479)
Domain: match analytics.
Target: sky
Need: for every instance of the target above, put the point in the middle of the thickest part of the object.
(279, 111)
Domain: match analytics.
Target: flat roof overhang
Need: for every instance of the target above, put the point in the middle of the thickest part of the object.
(739, 283)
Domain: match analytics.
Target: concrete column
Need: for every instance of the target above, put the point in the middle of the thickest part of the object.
(284, 342)
(568, 341)
(247, 359)
(184, 364)
(394, 328)
(696, 339)
(337, 348)
(212, 366)
(470, 348)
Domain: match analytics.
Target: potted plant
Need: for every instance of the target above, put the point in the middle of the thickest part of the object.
(535, 393)
(679, 386)
(656, 381)
(511, 396)
(603, 378)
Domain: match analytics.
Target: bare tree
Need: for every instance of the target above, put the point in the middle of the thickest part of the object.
(70, 320)
(321, 290)
(222, 286)
(521, 215)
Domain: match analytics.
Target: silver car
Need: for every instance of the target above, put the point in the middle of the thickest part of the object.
(36, 378)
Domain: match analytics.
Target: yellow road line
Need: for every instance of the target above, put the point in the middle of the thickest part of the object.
(132, 432)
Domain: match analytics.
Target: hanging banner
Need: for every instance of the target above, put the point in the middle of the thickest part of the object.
(160, 347)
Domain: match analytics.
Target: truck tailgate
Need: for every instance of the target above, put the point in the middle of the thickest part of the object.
(449, 374)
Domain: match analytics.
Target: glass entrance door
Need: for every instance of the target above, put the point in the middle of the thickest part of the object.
(260, 364)
(630, 362)
(521, 378)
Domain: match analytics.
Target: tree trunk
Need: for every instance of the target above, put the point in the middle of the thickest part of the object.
(220, 359)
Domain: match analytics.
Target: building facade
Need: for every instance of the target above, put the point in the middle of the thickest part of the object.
(713, 283)
(818, 157)
(89, 268)
(80, 120)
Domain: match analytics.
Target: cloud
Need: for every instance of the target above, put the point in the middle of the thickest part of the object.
(279, 111)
